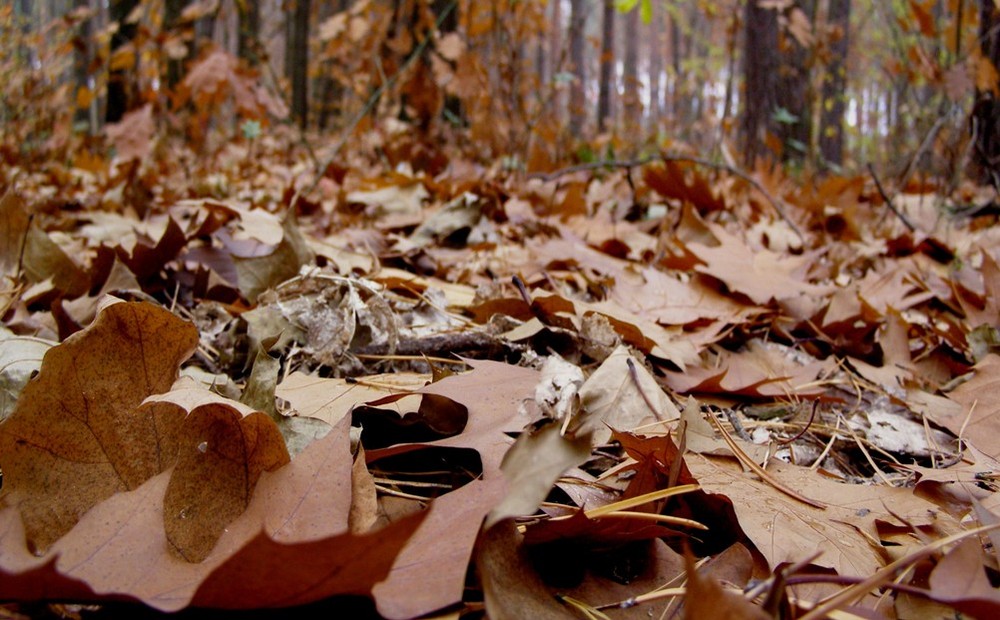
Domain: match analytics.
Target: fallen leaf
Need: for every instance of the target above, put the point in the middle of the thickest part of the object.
(20, 358)
(707, 599)
(75, 437)
(132, 137)
(429, 573)
(620, 395)
(221, 457)
(119, 548)
(27, 249)
(512, 588)
(960, 580)
(978, 419)
(330, 399)
(758, 370)
(786, 530)
(761, 275)
(257, 274)
(537, 459)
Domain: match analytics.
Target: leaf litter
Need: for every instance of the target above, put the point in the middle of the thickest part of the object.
(477, 392)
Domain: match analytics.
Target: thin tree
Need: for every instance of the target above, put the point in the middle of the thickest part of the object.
(120, 84)
(297, 60)
(632, 102)
(792, 119)
(655, 67)
(834, 99)
(760, 73)
(606, 84)
(577, 57)
(985, 124)
(249, 31)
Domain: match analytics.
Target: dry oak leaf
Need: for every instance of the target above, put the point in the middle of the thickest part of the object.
(706, 599)
(786, 530)
(978, 418)
(76, 437)
(494, 394)
(761, 275)
(759, 370)
(26, 248)
(430, 572)
(621, 394)
(511, 587)
(133, 135)
(298, 515)
(331, 399)
(222, 455)
(960, 581)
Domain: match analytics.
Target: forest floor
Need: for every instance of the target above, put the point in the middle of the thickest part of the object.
(425, 386)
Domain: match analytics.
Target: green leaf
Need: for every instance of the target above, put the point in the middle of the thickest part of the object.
(624, 6)
(784, 116)
(646, 11)
(251, 129)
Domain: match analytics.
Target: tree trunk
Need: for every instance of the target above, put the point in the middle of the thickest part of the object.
(171, 17)
(655, 68)
(330, 91)
(607, 85)
(831, 138)
(83, 58)
(577, 106)
(249, 34)
(120, 81)
(795, 96)
(675, 64)
(632, 102)
(298, 60)
(760, 70)
(557, 57)
(986, 113)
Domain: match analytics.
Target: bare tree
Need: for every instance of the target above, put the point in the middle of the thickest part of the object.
(986, 114)
(577, 57)
(297, 61)
(631, 99)
(834, 100)
(760, 71)
(606, 85)
(249, 32)
(120, 84)
(655, 67)
(792, 120)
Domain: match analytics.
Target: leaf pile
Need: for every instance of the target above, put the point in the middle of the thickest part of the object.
(609, 394)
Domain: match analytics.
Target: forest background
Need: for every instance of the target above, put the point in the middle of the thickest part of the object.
(819, 84)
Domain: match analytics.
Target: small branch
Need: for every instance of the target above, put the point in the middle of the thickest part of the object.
(888, 201)
(634, 163)
(437, 345)
(634, 374)
(757, 469)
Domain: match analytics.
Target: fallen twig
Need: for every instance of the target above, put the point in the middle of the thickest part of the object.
(888, 201)
(757, 469)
